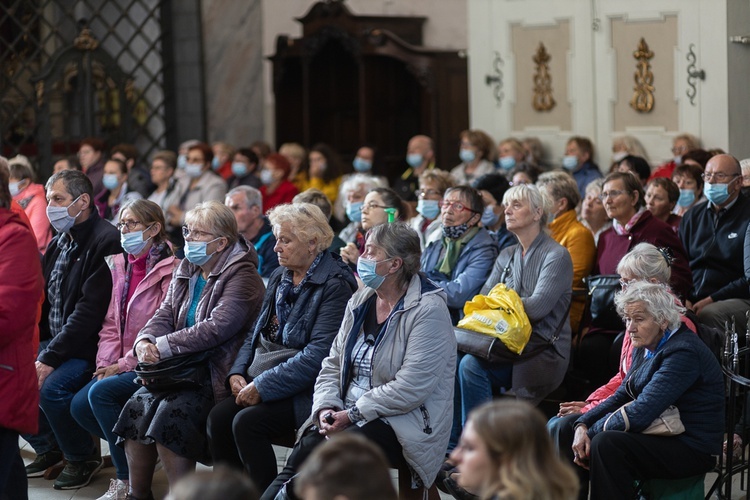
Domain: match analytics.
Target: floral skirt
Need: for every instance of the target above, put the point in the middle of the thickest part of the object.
(174, 419)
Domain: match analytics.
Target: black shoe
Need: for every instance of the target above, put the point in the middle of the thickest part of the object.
(131, 497)
(77, 474)
(42, 462)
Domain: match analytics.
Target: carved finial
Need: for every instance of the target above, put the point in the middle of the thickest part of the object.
(85, 40)
(542, 100)
(643, 92)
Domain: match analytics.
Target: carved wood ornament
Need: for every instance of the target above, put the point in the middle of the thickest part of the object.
(643, 92)
(542, 100)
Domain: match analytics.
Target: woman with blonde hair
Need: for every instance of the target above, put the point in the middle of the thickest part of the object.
(505, 453)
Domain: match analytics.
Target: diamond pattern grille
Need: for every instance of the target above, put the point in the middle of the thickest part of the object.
(32, 31)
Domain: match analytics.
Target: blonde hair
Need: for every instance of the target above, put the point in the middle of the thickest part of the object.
(532, 195)
(307, 221)
(524, 462)
(632, 145)
(294, 150)
(217, 217)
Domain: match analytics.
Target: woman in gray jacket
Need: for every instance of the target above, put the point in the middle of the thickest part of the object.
(389, 375)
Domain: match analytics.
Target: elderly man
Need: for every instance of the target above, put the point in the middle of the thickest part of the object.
(78, 288)
(713, 234)
(420, 155)
(246, 202)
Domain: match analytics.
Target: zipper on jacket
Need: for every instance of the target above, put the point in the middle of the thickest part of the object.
(8, 367)
(426, 418)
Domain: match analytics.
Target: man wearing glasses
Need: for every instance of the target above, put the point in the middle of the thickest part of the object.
(713, 234)
(461, 260)
(77, 294)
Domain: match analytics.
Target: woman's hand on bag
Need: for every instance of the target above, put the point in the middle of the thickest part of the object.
(581, 446)
(248, 396)
(340, 422)
(236, 384)
(570, 407)
(107, 371)
(146, 352)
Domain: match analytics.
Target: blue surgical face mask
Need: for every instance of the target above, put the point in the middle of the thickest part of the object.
(197, 253)
(361, 165)
(354, 211)
(133, 242)
(368, 274)
(239, 169)
(467, 155)
(507, 162)
(215, 163)
(194, 170)
(570, 162)
(59, 217)
(687, 197)
(182, 161)
(429, 209)
(266, 177)
(110, 181)
(489, 217)
(414, 160)
(677, 160)
(716, 193)
(619, 156)
(14, 187)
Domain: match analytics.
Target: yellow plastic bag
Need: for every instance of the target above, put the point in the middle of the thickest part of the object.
(499, 314)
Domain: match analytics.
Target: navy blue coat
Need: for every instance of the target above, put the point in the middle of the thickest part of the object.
(311, 327)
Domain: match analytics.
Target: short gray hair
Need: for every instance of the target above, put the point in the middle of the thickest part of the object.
(560, 185)
(307, 221)
(76, 183)
(214, 216)
(659, 302)
(645, 262)
(353, 182)
(398, 239)
(532, 195)
(253, 197)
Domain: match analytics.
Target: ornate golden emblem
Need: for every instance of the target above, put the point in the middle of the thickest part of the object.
(643, 92)
(542, 100)
(86, 41)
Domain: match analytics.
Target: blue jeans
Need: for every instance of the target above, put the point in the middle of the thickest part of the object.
(57, 427)
(97, 407)
(13, 483)
(475, 379)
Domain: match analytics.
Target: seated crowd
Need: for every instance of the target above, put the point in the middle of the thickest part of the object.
(291, 302)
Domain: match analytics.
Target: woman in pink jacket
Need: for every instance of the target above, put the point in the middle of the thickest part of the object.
(140, 279)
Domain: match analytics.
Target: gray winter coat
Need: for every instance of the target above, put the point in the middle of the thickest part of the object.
(413, 371)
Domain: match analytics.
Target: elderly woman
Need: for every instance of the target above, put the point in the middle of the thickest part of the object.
(593, 215)
(661, 198)
(540, 270)
(116, 192)
(273, 375)
(477, 154)
(505, 453)
(140, 279)
(375, 211)
(565, 229)
(460, 261)
(353, 191)
(213, 299)
(390, 370)
(671, 367)
(689, 180)
(432, 186)
(510, 153)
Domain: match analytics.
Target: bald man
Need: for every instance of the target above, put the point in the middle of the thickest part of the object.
(420, 155)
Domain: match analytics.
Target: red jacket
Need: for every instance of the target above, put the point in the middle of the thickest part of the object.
(284, 193)
(21, 287)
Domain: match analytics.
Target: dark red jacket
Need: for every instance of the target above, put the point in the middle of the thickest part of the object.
(21, 288)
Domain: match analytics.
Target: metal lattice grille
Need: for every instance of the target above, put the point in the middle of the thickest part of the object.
(32, 32)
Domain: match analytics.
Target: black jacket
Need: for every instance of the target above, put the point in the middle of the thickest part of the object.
(86, 291)
(716, 255)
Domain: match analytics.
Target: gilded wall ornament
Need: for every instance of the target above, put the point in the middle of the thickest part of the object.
(643, 92)
(542, 100)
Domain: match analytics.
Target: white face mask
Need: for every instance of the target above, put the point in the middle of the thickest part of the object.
(59, 217)
(14, 187)
(618, 157)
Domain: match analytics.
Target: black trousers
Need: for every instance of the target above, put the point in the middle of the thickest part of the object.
(562, 433)
(619, 458)
(376, 431)
(241, 437)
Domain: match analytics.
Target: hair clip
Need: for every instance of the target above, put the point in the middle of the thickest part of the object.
(668, 255)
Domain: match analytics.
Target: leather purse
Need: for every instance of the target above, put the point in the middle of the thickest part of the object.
(601, 289)
(668, 423)
(184, 371)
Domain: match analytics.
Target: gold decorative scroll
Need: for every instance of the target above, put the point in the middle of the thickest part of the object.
(40, 93)
(643, 92)
(542, 100)
(86, 41)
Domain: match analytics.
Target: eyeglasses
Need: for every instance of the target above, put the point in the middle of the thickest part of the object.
(720, 177)
(372, 205)
(195, 234)
(130, 224)
(679, 150)
(455, 205)
(611, 194)
(421, 193)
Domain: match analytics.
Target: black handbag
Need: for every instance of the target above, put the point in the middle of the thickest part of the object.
(184, 371)
(601, 289)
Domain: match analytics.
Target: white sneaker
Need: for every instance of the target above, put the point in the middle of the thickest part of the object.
(118, 490)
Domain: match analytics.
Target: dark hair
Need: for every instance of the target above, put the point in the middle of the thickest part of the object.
(208, 153)
(527, 168)
(673, 192)
(119, 163)
(95, 143)
(392, 200)
(377, 157)
(639, 165)
(469, 194)
(495, 184)
(249, 154)
(631, 182)
(280, 161)
(264, 148)
(76, 183)
(5, 197)
(482, 141)
(584, 144)
(72, 161)
(334, 167)
(127, 150)
(690, 170)
(700, 156)
(21, 171)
